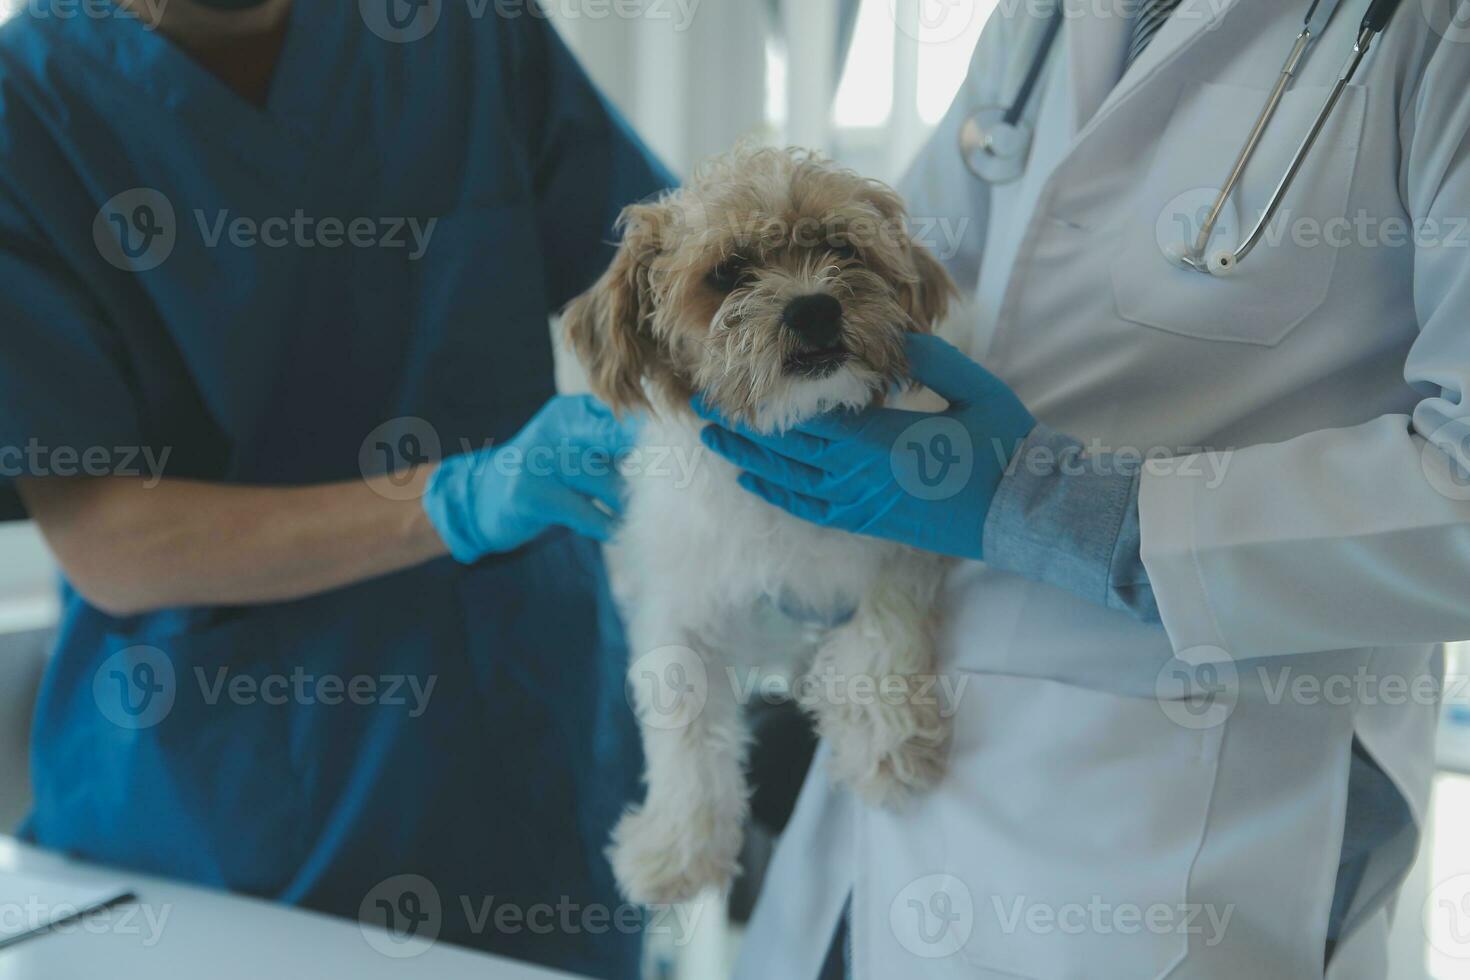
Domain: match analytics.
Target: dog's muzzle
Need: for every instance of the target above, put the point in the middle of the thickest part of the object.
(816, 323)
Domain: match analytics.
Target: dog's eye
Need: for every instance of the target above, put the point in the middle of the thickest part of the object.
(844, 250)
(730, 275)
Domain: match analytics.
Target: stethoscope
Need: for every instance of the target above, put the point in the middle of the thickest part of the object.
(995, 141)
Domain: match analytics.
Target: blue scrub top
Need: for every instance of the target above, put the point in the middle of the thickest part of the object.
(228, 746)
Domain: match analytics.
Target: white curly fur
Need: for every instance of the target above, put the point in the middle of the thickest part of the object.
(703, 555)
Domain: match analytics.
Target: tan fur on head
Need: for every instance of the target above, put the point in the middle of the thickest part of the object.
(694, 300)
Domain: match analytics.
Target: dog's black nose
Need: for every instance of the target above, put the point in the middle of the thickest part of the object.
(816, 319)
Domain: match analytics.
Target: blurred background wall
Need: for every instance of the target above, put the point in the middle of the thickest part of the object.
(863, 80)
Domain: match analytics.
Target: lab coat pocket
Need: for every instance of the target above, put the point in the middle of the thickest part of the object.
(1289, 274)
(1073, 819)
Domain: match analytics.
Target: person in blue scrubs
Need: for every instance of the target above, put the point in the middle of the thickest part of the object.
(260, 270)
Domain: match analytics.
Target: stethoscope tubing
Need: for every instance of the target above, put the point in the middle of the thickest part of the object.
(995, 141)
(974, 137)
(1379, 13)
(1038, 65)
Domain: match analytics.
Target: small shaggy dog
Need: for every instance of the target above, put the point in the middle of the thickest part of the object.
(777, 286)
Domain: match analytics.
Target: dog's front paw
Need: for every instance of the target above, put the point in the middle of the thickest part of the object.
(659, 859)
(888, 753)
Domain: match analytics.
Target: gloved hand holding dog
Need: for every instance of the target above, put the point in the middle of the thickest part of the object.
(553, 474)
(924, 480)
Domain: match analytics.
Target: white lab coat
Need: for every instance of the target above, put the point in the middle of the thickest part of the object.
(1336, 543)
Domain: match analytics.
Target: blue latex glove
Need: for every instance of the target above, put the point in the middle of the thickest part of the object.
(925, 480)
(554, 473)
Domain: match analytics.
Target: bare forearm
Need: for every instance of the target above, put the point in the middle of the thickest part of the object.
(133, 548)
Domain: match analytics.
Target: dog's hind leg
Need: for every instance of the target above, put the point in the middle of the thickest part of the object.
(686, 836)
(879, 706)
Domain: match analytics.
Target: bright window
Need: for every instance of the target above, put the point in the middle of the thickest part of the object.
(865, 96)
(948, 32)
(943, 34)
(775, 84)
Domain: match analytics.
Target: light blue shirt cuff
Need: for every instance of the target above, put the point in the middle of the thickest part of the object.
(1070, 520)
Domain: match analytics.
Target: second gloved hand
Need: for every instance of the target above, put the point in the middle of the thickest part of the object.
(921, 479)
(554, 473)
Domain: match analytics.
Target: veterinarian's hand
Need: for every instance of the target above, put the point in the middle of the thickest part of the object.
(921, 479)
(555, 473)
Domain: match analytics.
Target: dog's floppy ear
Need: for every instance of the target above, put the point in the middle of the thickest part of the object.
(607, 326)
(927, 298)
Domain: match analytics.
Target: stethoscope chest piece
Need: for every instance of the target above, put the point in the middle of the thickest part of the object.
(995, 149)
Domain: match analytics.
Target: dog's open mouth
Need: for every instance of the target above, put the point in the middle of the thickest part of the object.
(819, 362)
